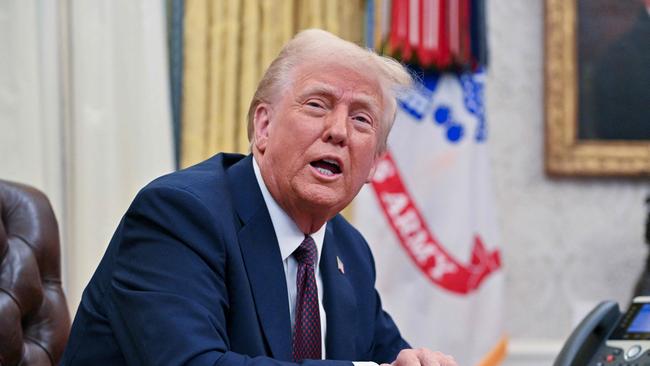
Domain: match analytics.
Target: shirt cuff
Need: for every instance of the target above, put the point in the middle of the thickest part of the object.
(364, 363)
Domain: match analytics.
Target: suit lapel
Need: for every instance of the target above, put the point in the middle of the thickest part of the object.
(339, 302)
(262, 259)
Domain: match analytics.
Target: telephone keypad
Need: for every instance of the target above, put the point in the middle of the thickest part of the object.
(609, 356)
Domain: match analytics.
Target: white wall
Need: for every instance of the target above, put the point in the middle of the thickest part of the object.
(567, 243)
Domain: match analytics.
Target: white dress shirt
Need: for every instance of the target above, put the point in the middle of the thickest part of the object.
(289, 239)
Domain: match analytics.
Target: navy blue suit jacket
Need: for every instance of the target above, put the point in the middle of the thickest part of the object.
(193, 275)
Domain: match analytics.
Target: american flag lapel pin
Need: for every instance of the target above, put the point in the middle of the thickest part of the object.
(339, 264)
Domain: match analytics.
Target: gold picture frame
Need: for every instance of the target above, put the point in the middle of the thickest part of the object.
(565, 153)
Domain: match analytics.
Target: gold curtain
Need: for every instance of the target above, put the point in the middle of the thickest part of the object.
(227, 46)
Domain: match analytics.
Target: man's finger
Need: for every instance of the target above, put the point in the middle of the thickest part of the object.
(407, 357)
(440, 358)
(423, 357)
(430, 358)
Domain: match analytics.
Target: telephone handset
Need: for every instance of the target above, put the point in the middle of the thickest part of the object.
(607, 337)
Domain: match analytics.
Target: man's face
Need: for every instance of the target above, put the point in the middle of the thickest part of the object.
(319, 139)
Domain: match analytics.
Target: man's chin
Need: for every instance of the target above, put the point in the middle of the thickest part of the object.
(324, 199)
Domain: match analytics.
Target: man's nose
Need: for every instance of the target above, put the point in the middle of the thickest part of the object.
(336, 129)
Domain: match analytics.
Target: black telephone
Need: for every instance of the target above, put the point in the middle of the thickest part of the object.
(607, 337)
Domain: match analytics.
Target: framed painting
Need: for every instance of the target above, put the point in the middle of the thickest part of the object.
(597, 87)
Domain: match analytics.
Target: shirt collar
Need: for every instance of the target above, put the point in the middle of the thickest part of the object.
(287, 232)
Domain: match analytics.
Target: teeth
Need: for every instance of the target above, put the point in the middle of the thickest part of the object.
(331, 162)
(325, 171)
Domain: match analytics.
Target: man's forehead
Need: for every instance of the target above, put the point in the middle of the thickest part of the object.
(331, 68)
(357, 91)
(334, 79)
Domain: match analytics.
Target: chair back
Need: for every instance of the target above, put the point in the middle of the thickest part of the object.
(34, 319)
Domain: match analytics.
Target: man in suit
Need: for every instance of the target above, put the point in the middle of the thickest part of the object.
(245, 260)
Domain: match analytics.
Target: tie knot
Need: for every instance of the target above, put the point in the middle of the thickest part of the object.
(306, 252)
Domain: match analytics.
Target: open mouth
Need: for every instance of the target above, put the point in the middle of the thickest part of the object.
(327, 167)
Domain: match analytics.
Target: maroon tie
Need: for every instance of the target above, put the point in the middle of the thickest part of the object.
(306, 335)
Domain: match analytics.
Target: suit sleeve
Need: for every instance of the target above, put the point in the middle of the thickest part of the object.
(388, 342)
(168, 301)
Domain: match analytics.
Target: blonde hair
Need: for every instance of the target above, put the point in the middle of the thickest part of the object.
(316, 44)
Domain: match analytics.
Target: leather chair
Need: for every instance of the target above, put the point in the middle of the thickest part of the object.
(34, 319)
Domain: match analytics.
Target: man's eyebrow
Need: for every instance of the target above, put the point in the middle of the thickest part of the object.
(318, 89)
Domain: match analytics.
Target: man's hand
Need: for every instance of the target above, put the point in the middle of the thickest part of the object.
(422, 357)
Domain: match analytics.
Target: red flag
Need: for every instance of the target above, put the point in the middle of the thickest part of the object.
(433, 48)
(463, 57)
(427, 30)
(442, 57)
(414, 24)
(398, 39)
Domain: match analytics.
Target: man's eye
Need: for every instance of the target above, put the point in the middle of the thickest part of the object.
(315, 104)
(362, 119)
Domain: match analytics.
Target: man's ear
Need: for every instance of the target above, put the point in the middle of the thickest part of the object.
(261, 124)
(378, 158)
